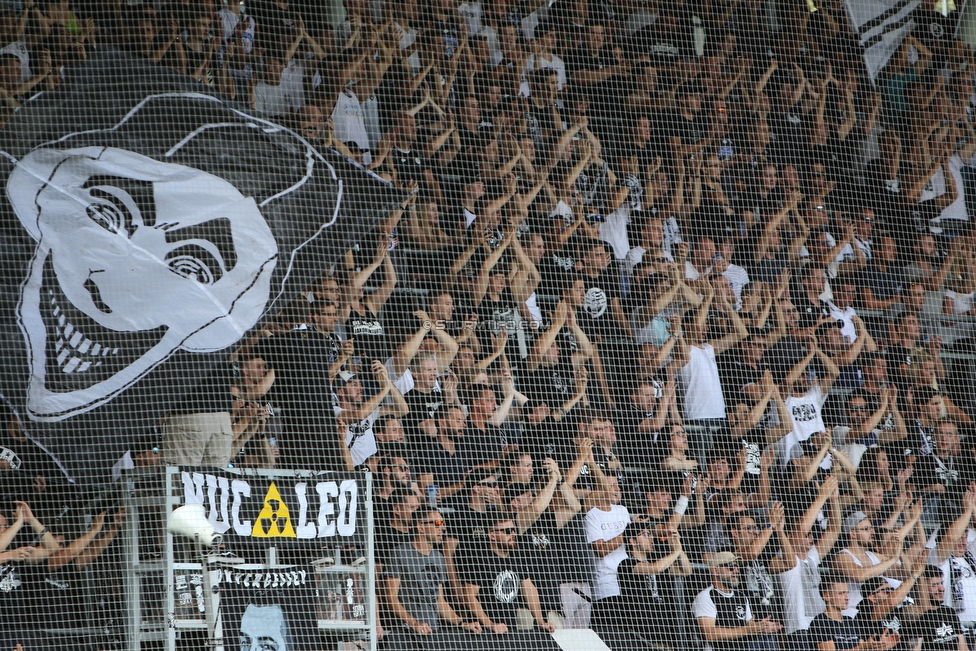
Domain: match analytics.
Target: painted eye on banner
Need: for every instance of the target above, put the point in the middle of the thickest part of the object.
(107, 215)
(196, 263)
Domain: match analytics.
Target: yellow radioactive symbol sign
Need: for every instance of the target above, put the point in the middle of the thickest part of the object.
(274, 520)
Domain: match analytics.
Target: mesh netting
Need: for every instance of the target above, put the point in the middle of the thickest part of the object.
(512, 325)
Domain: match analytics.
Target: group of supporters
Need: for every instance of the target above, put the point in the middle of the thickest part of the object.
(676, 284)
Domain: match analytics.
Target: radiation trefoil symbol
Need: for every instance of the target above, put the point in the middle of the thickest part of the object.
(273, 521)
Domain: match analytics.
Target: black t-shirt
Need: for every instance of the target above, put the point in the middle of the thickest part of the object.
(429, 457)
(584, 59)
(57, 599)
(540, 125)
(468, 525)
(13, 602)
(788, 133)
(481, 447)
(300, 359)
(387, 540)
(543, 555)
(500, 582)
(939, 630)
(410, 165)
(503, 314)
(645, 600)
(897, 356)
(645, 449)
(212, 394)
(274, 22)
(596, 317)
(553, 270)
(552, 384)
(845, 634)
(762, 589)
(548, 439)
(422, 405)
(731, 611)
(735, 375)
(691, 132)
(894, 622)
(371, 341)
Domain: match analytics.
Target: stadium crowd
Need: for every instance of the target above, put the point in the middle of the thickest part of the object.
(677, 285)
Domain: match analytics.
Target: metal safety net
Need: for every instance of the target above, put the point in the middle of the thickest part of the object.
(515, 325)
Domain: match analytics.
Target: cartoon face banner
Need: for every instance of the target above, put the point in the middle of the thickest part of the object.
(276, 610)
(148, 228)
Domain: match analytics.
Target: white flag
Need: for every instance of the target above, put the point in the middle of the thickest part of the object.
(881, 25)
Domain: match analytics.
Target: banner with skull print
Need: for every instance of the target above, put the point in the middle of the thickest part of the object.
(148, 227)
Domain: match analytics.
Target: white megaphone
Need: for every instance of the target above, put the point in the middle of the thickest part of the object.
(191, 521)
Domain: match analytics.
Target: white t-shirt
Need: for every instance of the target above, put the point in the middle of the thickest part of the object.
(801, 593)
(613, 231)
(286, 97)
(607, 525)
(407, 38)
(19, 50)
(350, 120)
(471, 15)
(738, 279)
(936, 187)
(359, 437)
(967, 613)
(806, 414)
(538, 63)
(961, 303)
(846, 315)
(704, 606)
(702, 387)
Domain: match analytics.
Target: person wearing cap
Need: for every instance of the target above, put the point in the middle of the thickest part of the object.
(648, 601)
(859, 562)
(938, 627)
(832, 630)
(356, 415)
(725, 616)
